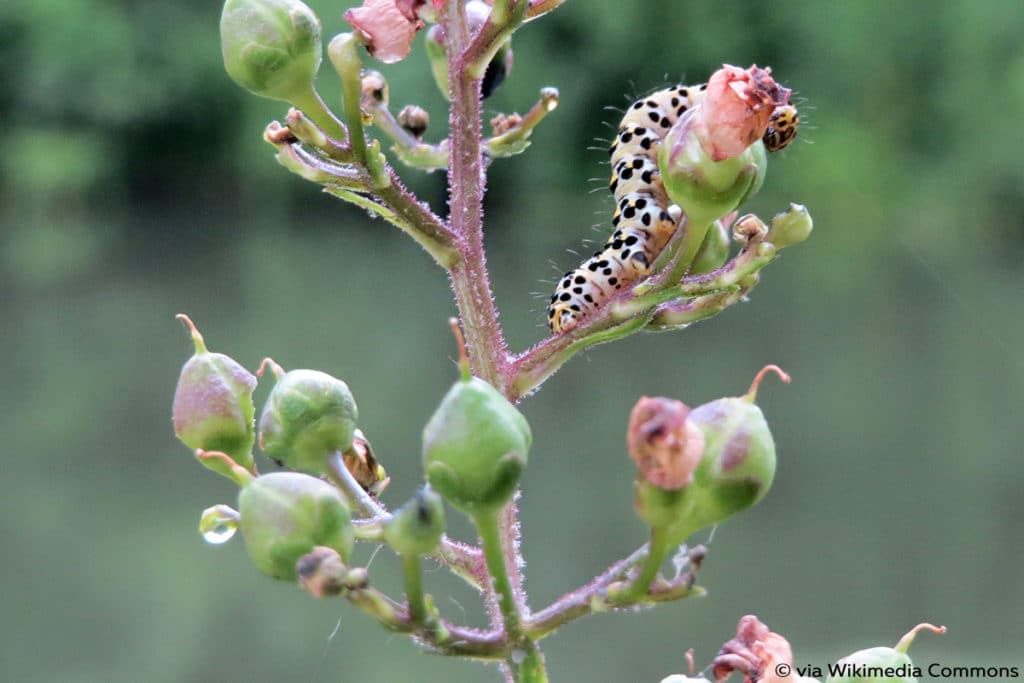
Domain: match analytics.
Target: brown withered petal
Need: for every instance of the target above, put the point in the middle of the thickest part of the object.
(756, 653)
(664, 444)
(386, 28)
(737, 108)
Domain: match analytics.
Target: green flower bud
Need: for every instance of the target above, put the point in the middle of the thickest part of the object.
(706, 189)
(308, 416)
(791, 227)
(881, 664)
(213, 409)
(714, 251)
(416, 527)
(285, 514)
(475, 445)
(739, 455)
(271, 47)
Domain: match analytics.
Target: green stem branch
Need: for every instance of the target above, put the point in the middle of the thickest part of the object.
(414, 588)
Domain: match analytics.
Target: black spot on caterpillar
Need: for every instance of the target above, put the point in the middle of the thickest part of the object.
(643, 218)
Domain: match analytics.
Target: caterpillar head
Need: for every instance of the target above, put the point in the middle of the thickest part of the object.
(563, 315)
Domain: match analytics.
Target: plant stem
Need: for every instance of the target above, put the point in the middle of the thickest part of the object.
(414, 588)
(485, 341)
(525, 663)
(505, 18)
(490, 540)
(312, 105)
(656, 551)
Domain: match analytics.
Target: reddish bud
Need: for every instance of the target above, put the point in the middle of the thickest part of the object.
(213, 409)
(738, 106)
(664, 444)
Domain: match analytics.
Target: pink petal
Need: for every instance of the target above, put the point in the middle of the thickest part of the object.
(385, 27)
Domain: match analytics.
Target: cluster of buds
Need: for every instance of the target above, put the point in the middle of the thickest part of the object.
(474, 450)
(697, 467)
(763, 656)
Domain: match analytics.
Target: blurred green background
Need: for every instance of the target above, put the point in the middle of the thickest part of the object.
(135, 185)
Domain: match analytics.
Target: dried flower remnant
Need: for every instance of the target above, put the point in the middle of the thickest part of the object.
(737, 108)
(757, 653)
(664, 444)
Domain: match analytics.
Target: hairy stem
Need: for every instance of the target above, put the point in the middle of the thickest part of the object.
(485, 341)
(490, 539)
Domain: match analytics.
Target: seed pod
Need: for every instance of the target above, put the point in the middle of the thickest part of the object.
(417, 526)
(736, 468)
(878, 664)
(285, 514)
(213, 409)
(738, 465)
(475, 445)
(271, 47)
(308, 416)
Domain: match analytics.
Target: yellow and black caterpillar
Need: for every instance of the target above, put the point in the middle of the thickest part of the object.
(643, 219)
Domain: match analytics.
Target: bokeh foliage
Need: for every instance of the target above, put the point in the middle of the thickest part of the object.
(135, 185)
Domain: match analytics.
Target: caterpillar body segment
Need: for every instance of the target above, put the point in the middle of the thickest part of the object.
(644, 220)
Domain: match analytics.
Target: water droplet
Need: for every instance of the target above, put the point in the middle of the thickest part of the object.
(218, 524)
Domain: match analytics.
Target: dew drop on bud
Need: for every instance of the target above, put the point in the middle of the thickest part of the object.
(218, 524)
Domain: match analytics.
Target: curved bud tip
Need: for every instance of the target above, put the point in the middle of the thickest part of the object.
(224, 464)
(276, 369)
(386, 29)
(751, 394)
(197, 338)
(908, 639)
(271, 47)
(757, 653)
(664, 444)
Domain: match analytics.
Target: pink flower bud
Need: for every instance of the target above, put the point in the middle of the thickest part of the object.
(665, 445)
(755, 652)
(387, 28)
(737, 108)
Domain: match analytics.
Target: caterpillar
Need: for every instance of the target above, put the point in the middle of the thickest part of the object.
(643, 219)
